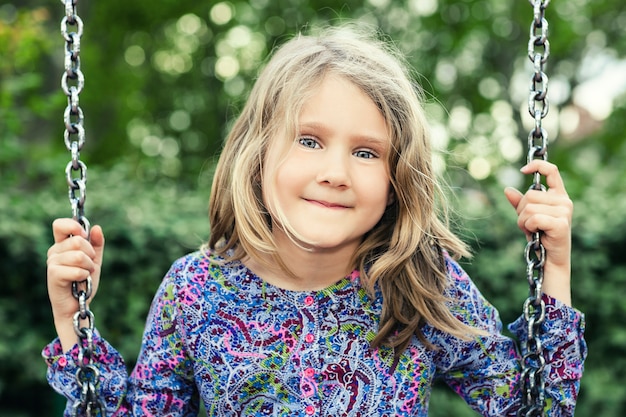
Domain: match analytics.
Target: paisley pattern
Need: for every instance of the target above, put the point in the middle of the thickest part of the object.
(217, 333)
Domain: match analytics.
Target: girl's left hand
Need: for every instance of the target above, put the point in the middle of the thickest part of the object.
(551, 213)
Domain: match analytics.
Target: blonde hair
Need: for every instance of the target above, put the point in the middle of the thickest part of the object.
(403, 254)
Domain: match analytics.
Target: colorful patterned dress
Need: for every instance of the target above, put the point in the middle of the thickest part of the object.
(219, 334)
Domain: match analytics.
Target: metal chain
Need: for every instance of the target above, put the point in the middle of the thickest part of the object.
(533, 362)
(72, 83)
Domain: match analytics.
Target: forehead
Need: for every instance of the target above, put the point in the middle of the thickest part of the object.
(337, 105)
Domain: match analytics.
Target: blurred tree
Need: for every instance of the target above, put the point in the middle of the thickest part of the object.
(163, 82)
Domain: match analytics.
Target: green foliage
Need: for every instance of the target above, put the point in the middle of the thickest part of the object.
(146, 227)
(164, 81)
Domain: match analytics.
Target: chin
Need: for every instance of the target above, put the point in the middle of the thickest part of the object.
(326, 245)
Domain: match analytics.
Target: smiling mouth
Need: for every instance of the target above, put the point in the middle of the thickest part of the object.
(326, 204)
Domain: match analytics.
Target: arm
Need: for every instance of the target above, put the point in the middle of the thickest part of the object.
(485, 371)
(564, 349)
(561, 333)
(162, 382)
(489, 380)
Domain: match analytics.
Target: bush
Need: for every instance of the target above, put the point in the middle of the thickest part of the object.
(147, 226)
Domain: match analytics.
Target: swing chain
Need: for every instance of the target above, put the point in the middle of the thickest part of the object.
(533, 361)
(72, 83)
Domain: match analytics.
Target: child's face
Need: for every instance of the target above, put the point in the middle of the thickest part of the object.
(333, 184)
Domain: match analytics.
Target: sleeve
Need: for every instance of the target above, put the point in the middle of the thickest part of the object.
(565, 350)
(162, 382)
(61, 373)
(485, 371)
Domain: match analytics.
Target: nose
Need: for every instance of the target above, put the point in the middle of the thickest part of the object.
(334, 169)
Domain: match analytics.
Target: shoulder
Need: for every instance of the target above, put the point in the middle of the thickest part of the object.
(184, 286)
(466, 301)
(460, 285)
(205, 274)
(193, 267)
(187, 275)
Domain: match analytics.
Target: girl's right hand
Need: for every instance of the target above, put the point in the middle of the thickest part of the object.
(71, 258)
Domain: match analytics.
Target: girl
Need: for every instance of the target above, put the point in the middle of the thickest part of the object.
(329, 285)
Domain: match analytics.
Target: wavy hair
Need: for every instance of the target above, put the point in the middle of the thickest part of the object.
(403, 255)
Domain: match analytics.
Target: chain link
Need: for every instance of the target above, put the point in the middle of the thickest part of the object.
(533, 362)
(72, 83)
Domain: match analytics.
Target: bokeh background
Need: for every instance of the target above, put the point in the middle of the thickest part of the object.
(164, 80)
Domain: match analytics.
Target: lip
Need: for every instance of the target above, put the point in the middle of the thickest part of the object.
(326, 204)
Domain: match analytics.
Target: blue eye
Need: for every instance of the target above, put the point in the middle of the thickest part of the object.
(365, 154)
(308, 142)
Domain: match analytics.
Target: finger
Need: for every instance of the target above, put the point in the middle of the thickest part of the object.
(73, 243)
(539, 200)
(67, 274)
(62, 228)
(73, 259)
(546, 223)
(514, 196)
(547, 169)
(96, 237)
(97, 241)
(553, 220)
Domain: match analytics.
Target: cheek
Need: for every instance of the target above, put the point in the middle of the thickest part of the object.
(293, 171)
(391, 196)
(383, 183)
(377, 194)
(386, 197)
(278, 185)
(270, 172)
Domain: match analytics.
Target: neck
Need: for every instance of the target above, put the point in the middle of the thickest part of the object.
(311, 269)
